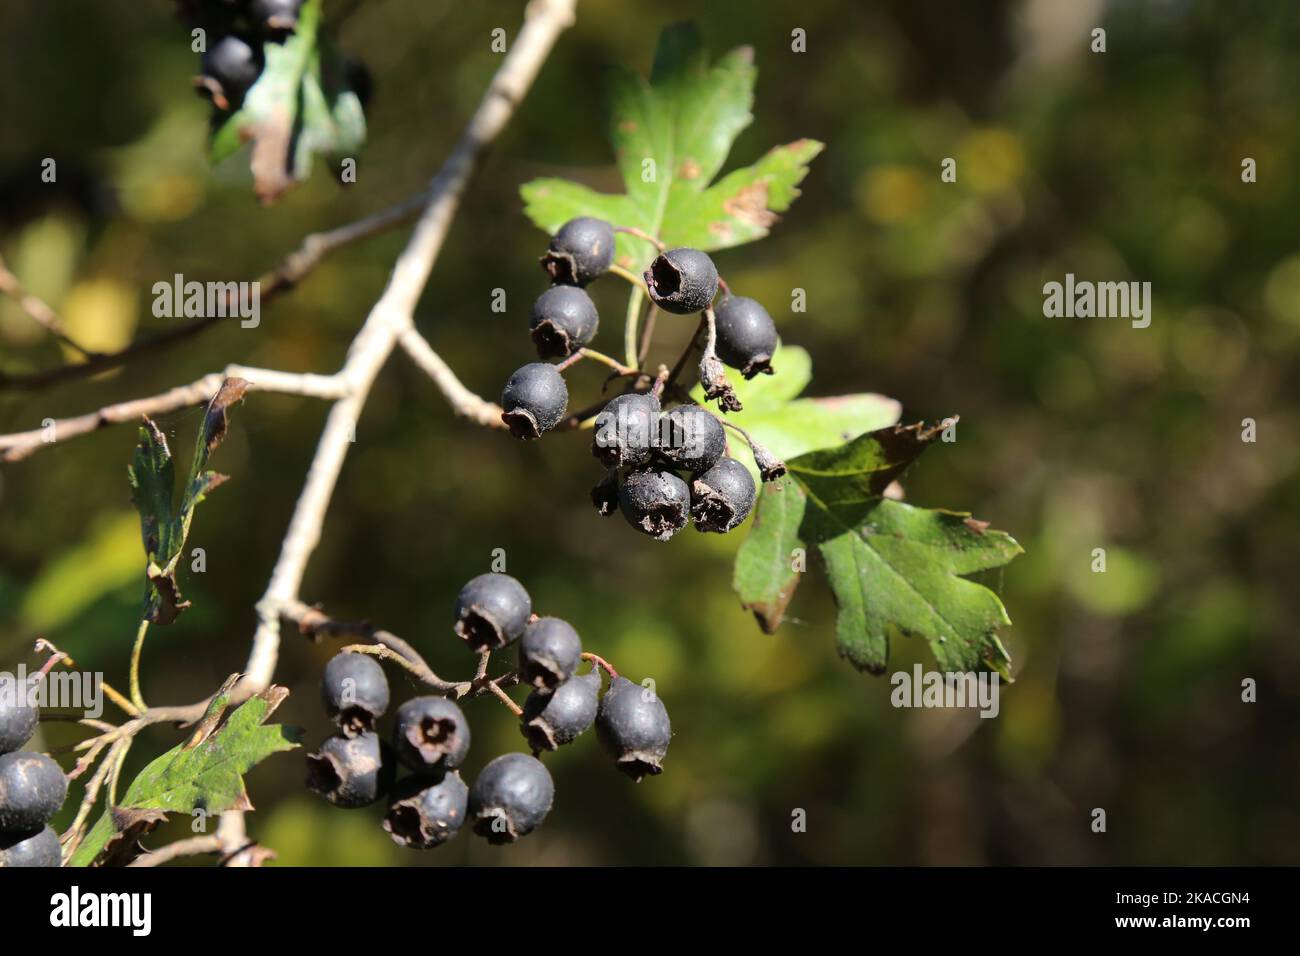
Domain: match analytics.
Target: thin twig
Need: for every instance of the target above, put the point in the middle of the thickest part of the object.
(39, 311)
(505, 699)
(463, 402)
(194, 846)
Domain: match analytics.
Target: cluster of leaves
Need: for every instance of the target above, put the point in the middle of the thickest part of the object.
(892, 567)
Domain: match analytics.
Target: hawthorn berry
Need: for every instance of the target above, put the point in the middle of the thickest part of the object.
(746, 335)
(554, 719)
(492, 611)
(682, 281)
(355, 692)
(431, 735)
(722, 497)
(691, 438)
(276, 14)
(564, 319)
(548, 653)
(581, 251)
(233, 62)
(17, 720)
(626, 430)
(534, 400)
(633, 727)
(510, 797)
(32, 788)
(655, 502)
(351, 772)
(424, 814)
(38, 848)
(604, 495)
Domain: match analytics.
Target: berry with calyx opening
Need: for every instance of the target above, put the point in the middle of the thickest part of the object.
(355, 692)
(548, 653)
(32, 788)
(655, 502)
(626, 430)
(510, 798)
(746, 335)
(18, 720)
(722, 497)
(581, 251)
(691, 438)
(39, 848)
(605, 493)
(682, 281)
(351, 772)
(534, 400)
(427, 813)
(633, 727)
(564, 319)
(492, 611)
(235, 63)
(554, 719)
(431, 735)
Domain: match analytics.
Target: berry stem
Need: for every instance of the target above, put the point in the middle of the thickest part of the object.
(723, 287)
(604, 359)
(647, 334)
(641, 234)
(505, 698)
(630, 323)
(627, 276)
(424, 675)
(136, 699)
(599, 661)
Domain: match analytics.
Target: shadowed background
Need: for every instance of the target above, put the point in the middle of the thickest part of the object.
(1075, 433)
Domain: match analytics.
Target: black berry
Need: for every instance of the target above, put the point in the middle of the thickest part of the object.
(549, 652)
(510, 798)
(626, 430)
(17, 720)
(691, 438)
(633, 727)
(746, 335)
(534, 400)
(682, 281)
(605, 493)
(277, 15)
(722, 497)
(655, 502)
(351, 772)
(564, 319)
(40, 848)
(235, 63)
(581, 251)
(431, 735)
(32, 788)
(492, 610)
(424, 814)
(355, 692)
(554, 719)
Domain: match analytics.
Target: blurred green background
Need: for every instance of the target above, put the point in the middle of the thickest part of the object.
(1075, 434)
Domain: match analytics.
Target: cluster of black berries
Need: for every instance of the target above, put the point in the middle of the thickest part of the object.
(644, 449)
(512, 795)
(235, 31)
(32, 787)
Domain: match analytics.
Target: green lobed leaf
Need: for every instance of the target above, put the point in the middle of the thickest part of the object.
(206, 772)
(671, 134)
(893, 568)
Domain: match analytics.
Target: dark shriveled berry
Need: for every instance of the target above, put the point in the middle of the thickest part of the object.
(18, 719)
(691, 438)
(534, 400)
(510, 798)
(633, 727)
(351, 772)
(626, 430)
(492, 610)
(655, 502)
(581, 251)
(746, 335)
(682, 281)
(40, 848)
(354, 691)
(427, 813)
(605, 494)
(32, 788)
(564, 319)
(722, 497)
(549, 653)
(431, 735)
(554, 719)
